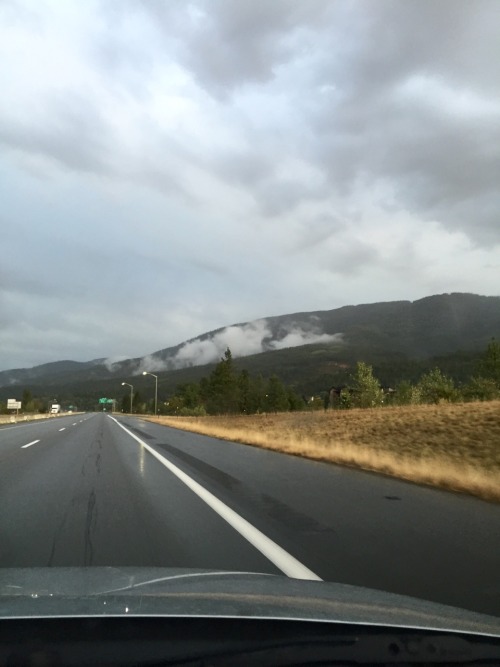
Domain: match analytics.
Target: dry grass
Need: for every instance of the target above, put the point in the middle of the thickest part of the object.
(453, 446)
(13, 419)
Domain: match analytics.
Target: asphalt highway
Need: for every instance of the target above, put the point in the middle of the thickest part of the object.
(100, 489)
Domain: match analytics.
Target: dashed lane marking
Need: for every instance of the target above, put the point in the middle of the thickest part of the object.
(29, 444)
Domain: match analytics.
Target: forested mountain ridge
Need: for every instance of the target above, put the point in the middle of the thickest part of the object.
(398, 336)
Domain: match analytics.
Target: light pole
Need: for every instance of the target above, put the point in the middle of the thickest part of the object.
(131, 394)
(156, 388)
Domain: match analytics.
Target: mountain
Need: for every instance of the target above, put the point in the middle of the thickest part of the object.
(304, 348)
(45, 372)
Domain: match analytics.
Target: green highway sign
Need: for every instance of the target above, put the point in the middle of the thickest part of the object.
(106, 400)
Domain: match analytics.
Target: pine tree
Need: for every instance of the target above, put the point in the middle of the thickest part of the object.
(489, 367)
(223, 390)
(277, 397)
(244, 392)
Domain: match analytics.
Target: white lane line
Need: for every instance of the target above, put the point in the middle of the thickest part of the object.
(73, 424)
(63, 429)
(272, 551)
(29, 444)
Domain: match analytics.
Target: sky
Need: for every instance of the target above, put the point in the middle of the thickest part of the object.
(171, 167)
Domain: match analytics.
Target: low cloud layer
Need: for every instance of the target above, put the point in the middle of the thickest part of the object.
(243, 340)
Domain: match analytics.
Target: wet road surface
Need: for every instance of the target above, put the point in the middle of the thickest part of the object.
(97, 489)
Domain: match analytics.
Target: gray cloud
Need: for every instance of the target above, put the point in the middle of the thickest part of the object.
(229, 44)
(67, 128)
(170, 167)
(416, 105)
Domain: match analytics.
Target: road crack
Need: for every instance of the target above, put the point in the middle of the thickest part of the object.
(89, 527)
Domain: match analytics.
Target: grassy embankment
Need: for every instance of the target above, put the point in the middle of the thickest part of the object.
(453, 446)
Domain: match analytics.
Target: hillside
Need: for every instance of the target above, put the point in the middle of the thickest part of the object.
(310, 350)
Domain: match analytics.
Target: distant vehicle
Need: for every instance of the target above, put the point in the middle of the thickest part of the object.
(55, 409)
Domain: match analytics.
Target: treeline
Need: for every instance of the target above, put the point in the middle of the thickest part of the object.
(29, 404)
(228, 391)
(434, 386)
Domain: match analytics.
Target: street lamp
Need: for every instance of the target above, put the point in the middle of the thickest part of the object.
(131, 394)
(156, 387)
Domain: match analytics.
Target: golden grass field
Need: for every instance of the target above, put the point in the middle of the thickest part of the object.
(453, 446)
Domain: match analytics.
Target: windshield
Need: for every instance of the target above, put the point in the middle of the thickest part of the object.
(249, 304)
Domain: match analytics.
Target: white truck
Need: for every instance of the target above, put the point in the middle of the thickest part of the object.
(55, 409)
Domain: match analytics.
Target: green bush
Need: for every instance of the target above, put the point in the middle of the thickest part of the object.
(436, 387)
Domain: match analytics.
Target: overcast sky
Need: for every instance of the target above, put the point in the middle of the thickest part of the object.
(170, 167)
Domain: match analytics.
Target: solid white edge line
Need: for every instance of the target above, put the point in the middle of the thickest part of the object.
(272, 551)
(29, 444)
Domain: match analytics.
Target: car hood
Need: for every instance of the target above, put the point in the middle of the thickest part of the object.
(110, 591)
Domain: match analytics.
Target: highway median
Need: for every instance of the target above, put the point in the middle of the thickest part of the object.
(21, 418)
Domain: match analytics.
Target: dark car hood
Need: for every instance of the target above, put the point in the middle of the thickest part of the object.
(110, 591)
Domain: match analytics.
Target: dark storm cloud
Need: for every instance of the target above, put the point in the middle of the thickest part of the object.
(410, 100)
(435, 165)
(403, 94)
(450, 39)
(416, 104)
(227, 44)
